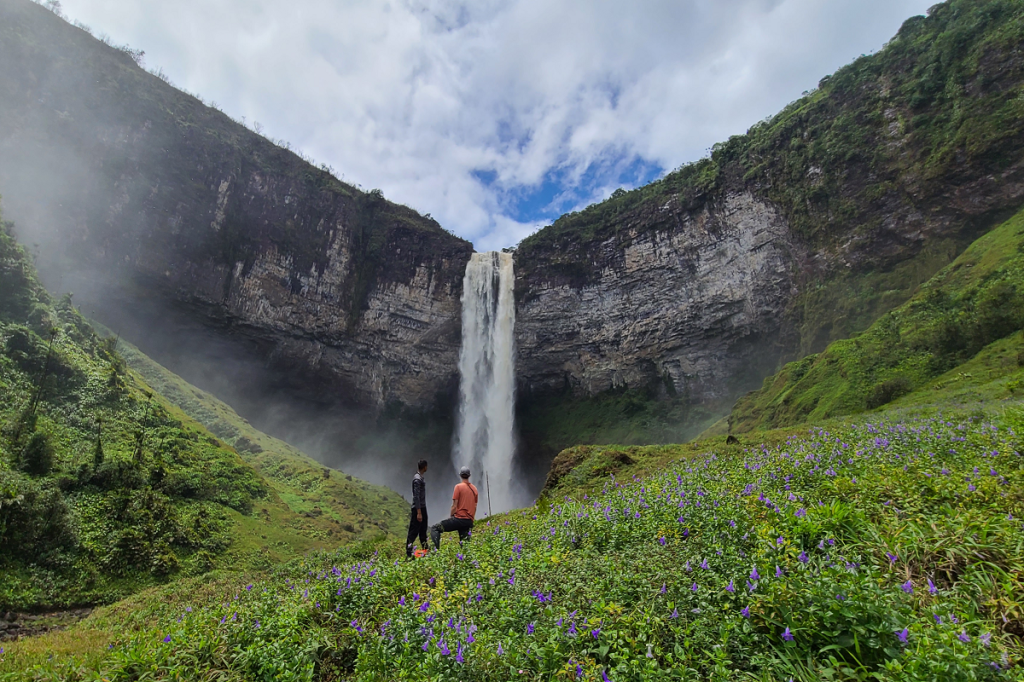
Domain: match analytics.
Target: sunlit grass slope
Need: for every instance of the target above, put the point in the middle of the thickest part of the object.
(889, 548)
(953, 319)
(107, 487)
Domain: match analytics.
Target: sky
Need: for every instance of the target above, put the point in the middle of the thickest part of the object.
(497, 117)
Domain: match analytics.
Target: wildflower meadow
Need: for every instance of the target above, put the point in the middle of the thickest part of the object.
(886, 549)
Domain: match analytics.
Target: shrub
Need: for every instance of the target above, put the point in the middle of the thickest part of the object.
(38, 456)
(887, 391)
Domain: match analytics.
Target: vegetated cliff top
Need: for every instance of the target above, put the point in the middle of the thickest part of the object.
(139, 162)
(974, 306)
(106, 487)
(931, 122)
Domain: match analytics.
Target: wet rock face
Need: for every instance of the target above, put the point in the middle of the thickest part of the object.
(694, 305)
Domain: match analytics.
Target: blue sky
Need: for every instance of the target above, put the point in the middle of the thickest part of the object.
(496, 116)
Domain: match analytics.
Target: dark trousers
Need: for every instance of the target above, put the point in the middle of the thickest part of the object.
(416, 528)
(448, 525)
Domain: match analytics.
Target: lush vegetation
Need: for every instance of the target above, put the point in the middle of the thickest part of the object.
(976, 301)
(886, 549)
(321, 504)
(106, 487)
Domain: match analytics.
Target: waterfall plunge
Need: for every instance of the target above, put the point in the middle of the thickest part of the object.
(485, 439)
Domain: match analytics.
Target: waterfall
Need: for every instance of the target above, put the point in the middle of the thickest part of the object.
(485, 436)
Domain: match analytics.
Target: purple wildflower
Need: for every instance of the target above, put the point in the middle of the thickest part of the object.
(167, 638)
(803, 557)
(903, 634)
(745, 612)
(661, 541)
(964, 637)
(604, 676)
(596, 633)
(986, 638)
(729, 587)
(907, 587)
(778, 572)
(787, 635)
(529, 629)
(754, 575)
(675, 613)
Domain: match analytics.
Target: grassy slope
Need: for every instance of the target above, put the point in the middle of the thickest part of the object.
(77, 528)
(330, 505)
(870, 511)
(976, 301)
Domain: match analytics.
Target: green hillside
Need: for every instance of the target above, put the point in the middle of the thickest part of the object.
(953, 319)
(107, 487)
(330, 504)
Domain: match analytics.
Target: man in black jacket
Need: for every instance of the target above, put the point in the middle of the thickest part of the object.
(418, 519)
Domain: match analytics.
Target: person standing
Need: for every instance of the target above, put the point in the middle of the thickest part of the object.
(418, 519)
(464, 499)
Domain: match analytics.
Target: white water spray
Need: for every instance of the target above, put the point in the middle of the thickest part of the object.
(485, 439)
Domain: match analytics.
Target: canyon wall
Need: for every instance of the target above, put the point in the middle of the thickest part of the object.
(162, 214)
(141, 200)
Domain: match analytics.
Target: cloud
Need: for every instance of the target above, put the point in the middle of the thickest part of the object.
(495, 117)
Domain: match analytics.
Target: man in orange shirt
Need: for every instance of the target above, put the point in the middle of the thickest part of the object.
(464, 499)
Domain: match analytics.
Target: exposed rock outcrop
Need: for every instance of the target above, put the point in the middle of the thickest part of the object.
(695, 304)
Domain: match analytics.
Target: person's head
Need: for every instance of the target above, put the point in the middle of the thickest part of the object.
(464, 473)
(422, 465)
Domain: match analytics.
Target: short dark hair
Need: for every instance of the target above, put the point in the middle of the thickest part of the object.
(422, 464)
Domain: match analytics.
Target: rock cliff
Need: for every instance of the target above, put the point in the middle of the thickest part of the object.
(804, 230)
(683, 293)
(143, 198)
(688, 302)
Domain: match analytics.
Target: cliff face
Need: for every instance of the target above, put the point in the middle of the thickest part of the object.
(690, 304)
(673, 299)
(142, 197)
(802, 231)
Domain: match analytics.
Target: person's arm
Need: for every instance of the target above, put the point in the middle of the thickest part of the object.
(455, 501)
(417, 497)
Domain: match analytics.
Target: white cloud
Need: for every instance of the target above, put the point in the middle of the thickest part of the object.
(413, 96)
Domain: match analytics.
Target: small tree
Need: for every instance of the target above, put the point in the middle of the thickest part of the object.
(97, 452)
(38, 456)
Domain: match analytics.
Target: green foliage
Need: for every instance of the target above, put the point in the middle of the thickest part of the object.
(881, 550)
(975, 302)
(37, 458)
(102, 490)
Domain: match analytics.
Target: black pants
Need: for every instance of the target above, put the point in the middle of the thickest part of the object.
(448, 525)
(416, 528)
